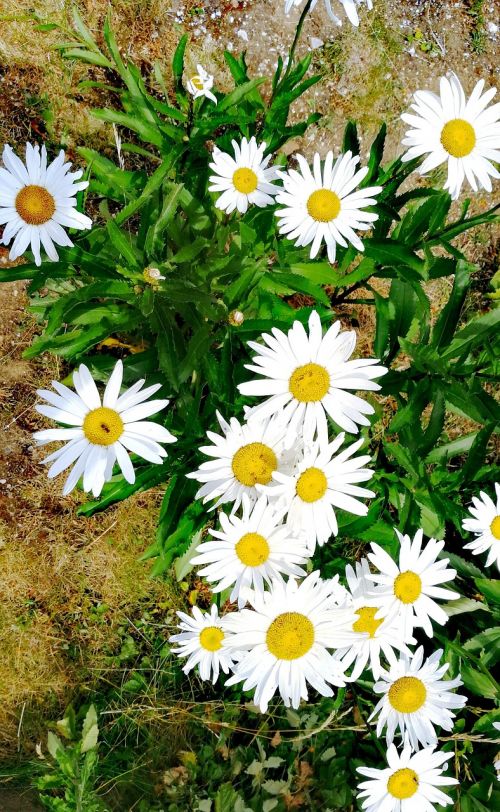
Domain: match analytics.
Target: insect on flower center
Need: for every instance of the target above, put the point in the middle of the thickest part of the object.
(311, 485)
(309, 383)
(458, 137)
(103, 426)
(407, 694)
(211, 638)
(35, 205)
(197, 82)
(403, 783)
(495, 527)
(408, 586)
(367, 621)
(252, 550)
(245, 181)
(290, 636)
(254, 463)
(323, 205)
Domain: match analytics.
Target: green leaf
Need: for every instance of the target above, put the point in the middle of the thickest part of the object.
(393, 253)
(477, 331)
(239, 93)
(225, 798)
(449, 317)
(178, 62)
(477, 681)
(490, 589)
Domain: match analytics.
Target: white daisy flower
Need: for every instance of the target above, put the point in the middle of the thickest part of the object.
(486, 525)
(416, 698)
(321, 481)
(463, 133)
(411, 782)
(201, 84)
(37, 200)
(408, 590)
(282, 641)
(101, 434)
(250, 551)
(306, 376)
(243, 180)
(370, 635)
(201, 641)
(244, 456)
(321, 206)
(350, 8)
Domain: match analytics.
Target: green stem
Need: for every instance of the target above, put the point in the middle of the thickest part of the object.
(293, 48)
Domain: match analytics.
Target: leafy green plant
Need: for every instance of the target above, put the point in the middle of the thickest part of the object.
(67, 783)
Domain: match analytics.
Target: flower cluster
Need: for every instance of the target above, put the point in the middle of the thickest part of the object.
(284, 479)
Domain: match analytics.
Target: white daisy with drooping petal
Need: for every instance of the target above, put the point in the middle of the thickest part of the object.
(101, 433)
(307, 377)
(464, 133)
(416, 699)
(410, 783)
(350, 8)
(486, 525)
(244, 455)
(408, 590)
(320, 205)
(201, 84)
(37, 202)
(243, 180)
(281, 643)
(201, 641)
(370, 635)
(321, 481)
(250, 551)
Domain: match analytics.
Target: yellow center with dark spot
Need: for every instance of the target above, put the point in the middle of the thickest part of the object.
(211, 638)
(323, 205)
(495, 527)
(197, 82)
(458, 137)
(407, 694)
(311, 485)
(408, 586)
(252, 550)
(403, 783)
(254, 464)
(367, 622)
(103, 426)
(290, 636)
(309, 383)
(35, 205)
(245, 181)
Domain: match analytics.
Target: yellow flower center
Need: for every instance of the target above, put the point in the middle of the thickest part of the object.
(35, 205)
(254, 463)
(211, 638)
(458, 137)
(323, 205)
(408, 586)
(290, 636)
(367, 621)
(407, 694)
(311, 485)
(197, 82)
(245, 181)
(252, 550)
(103, 426)
(495, 527)
(403, 783)
(309, 383)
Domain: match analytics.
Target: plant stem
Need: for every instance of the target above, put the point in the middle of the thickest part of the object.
(293, 48)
